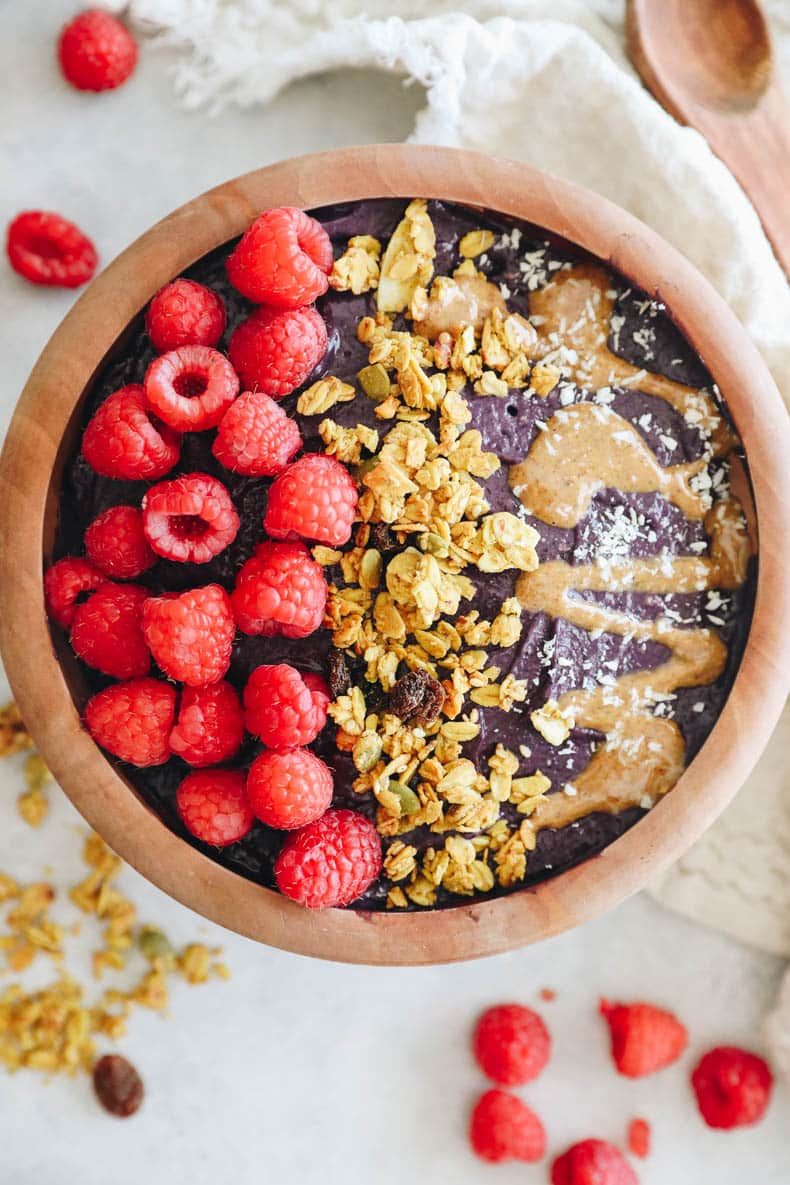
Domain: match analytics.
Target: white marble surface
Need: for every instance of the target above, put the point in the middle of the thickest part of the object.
(298, 1071)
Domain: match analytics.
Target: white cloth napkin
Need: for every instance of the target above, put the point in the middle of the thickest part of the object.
(548, 82)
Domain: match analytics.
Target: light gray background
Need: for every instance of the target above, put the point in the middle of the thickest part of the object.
(297, 1071)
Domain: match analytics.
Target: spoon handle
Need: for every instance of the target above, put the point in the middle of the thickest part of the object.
(755, 145)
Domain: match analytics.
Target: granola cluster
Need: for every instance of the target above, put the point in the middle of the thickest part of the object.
(399, 605)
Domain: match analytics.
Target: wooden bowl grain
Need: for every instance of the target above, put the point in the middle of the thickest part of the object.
(43, 676)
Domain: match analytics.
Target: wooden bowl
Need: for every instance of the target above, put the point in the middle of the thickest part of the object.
(43, 432)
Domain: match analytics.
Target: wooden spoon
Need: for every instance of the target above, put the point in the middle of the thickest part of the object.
(709, 62)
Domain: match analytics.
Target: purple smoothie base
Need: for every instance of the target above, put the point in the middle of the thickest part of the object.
(507, 427)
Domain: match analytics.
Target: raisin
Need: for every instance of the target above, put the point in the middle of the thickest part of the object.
(339, 678)
(382, 537)
(417, 698)
(118, 1086)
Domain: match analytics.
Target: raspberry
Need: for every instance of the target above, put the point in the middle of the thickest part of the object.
(280, 590)
(184, 313)
(290, 789)
(733, 1087)
(210, 725)
(133, 720)
(283, 259)
(213, 805)
(315, 498)
(283, 707)
(124, 440)
(511, 1044)
(46, 249)
(191, 388)
(115, 543)
(644, 1038)
(256, 437)
(274, 351)
(107, 633)
(592, 1162)
(639, 1138)
(503, 1128)
(65, 582)
(190, 634)
(190, 519)
(96, 52)
(329, 862)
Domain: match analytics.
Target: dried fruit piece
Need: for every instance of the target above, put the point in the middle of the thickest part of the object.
(417, 698)
(118, 1086)
(339, 679)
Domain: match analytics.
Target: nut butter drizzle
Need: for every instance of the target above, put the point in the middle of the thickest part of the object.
(583, 449)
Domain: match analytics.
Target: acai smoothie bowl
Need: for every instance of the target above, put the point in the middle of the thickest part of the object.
(380, 540)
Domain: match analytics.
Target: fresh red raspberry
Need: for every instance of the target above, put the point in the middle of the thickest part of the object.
(124, 440)
(280, 590)
(191, 634)
(639, 1138)
(733, 1087)
(504, 1128)
(184, 313)
(133, 720)
(283, 707)
(275, 350)
(191, 388)
(210, 725)
(592, 1162)
(46, 249)
(65, 582)
(315, 498)
(644, 1038)
(213, 805)
(190, 519)
(256, 437)
(511, 1044)
(329, 862)
(289, 790)
(115, 543)
(96, 52)
(107, 632)
(283, 260)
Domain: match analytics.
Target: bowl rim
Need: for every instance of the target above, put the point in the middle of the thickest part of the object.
(28, 508)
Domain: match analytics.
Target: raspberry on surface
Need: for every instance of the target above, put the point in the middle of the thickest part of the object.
(503, 1128)
(189, 519)
(96, 52)
(283, 259)
(65, 583)
(274, 350)
(330, 862)
(191, 388)
(289, 789)
(511, 1044)
(185, 313)
(115, 543)
(133, 720)
(280, 590)
(592, 1162)
(283, 707)
(190, 634)
(644, 1038)
(47, 249)
(213, 806)
(256, 437)
(210, 724)
(107, 633)
(733, 1087)
(639, 1138)
(315, 498)
(124, 440)
(209, 728)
